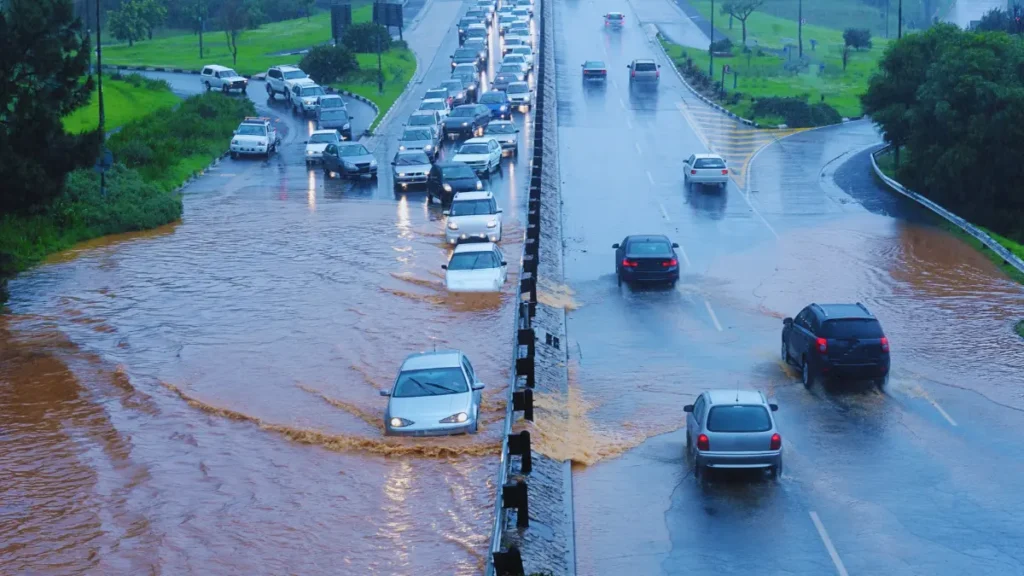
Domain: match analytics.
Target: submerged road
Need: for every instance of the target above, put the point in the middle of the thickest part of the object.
(202, 398)
(919, 480)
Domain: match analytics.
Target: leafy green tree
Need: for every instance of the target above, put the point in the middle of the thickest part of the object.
(326, 63)
(153, 14)
(857, 38)
(127, 22)
(44, 54)
(308, 5)
(995, 20)
(234, 17)
(363, 37)
(741, 10)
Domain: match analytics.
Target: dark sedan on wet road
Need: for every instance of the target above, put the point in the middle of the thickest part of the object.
(467, 56)
(594, 70)
(646, 259)
(349, 159)
(836, 341)
(732, 429)
(467, 120)
(447, 178)
(502, 81)
(470, 78)
(457, 91)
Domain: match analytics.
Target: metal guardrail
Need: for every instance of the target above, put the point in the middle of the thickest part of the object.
(501, 561)
(993, 245)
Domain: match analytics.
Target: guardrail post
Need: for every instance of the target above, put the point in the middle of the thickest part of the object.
(508, 562)
(528, 284)
(525, 367)
(523, 400)
(515, 496)
(519, 444)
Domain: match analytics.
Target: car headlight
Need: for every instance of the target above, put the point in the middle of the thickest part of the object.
(479, 185)
(401, 147)
(490, 224)
(234, 142)
(428, 148)
(453, 226)
(462, 95)
(456, 418)
(346, 127)
(465, 123)
(399, 422)
(373, 163)
(447, 187)
(309, 152)
(503, 107)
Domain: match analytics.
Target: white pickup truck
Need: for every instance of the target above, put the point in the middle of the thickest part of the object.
(255, 136)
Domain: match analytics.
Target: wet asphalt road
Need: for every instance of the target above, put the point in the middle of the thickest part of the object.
(919, 480)
(202, 398)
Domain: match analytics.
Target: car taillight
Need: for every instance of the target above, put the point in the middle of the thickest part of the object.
(693, 171)
(670, 263)
(822, 345)
(702, 443)
(885, 344)
(657, 73)
(633, 73)
(724, 172)
(629, 263)
(776, 442)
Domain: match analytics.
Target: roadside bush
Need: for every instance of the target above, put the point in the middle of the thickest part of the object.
(721, 46)
(326, 64)
(796, 112)
(362, 37)
(140, 81)
(857, 38)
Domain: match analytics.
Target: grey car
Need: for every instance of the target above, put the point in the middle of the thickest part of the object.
(349, 159)
(427, 119)
(643, 71)
(435, 394)
(506, 133)
(467, 56)
(419, 139)
(515, 69)
(456, 91)
(410, 168)
(470, 78)
(478, 44)
(502, 80)
(733, 429)
(330, 102)
(335, 119)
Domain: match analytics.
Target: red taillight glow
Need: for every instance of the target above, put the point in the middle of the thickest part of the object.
(776, 442)
(633, 73)
(670, 263)
(629, 263)
(657, 73)
(725, 171)
(693, 171)
(702, 443)
(822, 345)
(885, 344)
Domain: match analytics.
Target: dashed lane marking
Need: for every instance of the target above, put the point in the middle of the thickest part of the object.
(638, 150)
(663, 212)
(650, 178)
(711, 312)
(838, 562)
(937, 407)
(682, 252)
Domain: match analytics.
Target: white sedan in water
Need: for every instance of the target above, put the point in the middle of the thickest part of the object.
(318, 141)
(482, 154)
(476, 267)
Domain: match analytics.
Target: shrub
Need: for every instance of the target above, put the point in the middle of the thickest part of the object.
(724, 45)
(362, 37)
(857, 38)
(796, 112)
(327, 64)
(140, 81)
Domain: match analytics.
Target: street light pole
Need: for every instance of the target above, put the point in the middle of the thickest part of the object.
(711, 47)
(99, 74)
(899, 22)
(800, 26)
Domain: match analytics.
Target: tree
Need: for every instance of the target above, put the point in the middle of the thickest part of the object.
(127, 22)
(857, 38)
(326, 63)
(995, 20)
(363, 38)
(234, 17)
(741, 10)
(153, 13)
(44, 53)
(308, 6)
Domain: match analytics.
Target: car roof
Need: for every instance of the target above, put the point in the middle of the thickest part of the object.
(434, 359)
(216, 67)
(716, 156)
(735, 396)
(410, 153)
(286, 68)
(593, 63)
(501, 122)
(481, 140)
(844, 311)
(614, 14)
(324, 132)
(329, 96)
(305, 82)
(431, 113)
(350, 144)
(480, 195)
(648, 238)
(477, 25)
(644, 61)
(511, 84)
(425, 100)
(474, 247)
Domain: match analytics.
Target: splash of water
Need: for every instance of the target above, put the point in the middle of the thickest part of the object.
(556, 295)
(375, 420)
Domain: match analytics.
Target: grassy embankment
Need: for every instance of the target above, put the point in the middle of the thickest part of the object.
(768, 72)
(256, 49)
(124, 99)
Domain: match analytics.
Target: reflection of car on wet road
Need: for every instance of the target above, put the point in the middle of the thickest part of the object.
(435, 105)
(304, 96)
(318, 142)
(349, 159)
(614, 19)
(594, 70)
(643, 71)
(836, 340)
(467, 120)
(254, 136)
(280, 79)
(705, 169)
(733, 429)
(216, 77)
(426, 119)
(646, 259)
(497, 102)
(410, 168)
(476, 267)
(481, 154)
(506, 133)
(436, 394)
(447, 178)
(518, 94)
(473, 216)
(335, 119)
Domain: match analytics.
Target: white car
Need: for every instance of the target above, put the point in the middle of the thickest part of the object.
(254, 136)
(472, 216)
(526, 52)
(319, 140)
(476, 267)
(705, 169)
(435, 105)
(517, 59)
(523, 13)
(518, 94)
(520, 39)
(280, 79)
(483, 154)
(215, 77)
(305, 96)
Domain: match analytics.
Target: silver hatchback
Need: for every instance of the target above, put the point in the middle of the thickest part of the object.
(733, 429)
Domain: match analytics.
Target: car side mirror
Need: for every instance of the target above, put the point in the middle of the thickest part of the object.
(787, 321)
(498, 211)
(444, 266)
(615, 246)
(478, 386)
(305, 141)
(503, 263)
(629, 65)
(674, 245)
(393, 163)
(234, 131)
(774, 407)
(688, 408)
(446, 213)
(659, 65)
(385, 393)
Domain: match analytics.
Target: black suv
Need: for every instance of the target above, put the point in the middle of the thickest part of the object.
(836, 340)
(447, 178)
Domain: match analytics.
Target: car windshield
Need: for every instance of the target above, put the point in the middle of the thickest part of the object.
(499, 128)
(436, 94)
(331, 103)
(506, 78)
(413, 159)
(465, 22)
(477, 32)
(453, 85)
(739, 418)
(312, 91)
(465, 76)
(473, 149)
(471, 208)
(522, 51)
(650, 249)
(474, 43)
(464, 112)
(421, 120)
(417, 134)
(863, 328)
(294, 74)
(432, 382)
(464, 53)
(457, 172)
(324, 138)
(492, 98)
(615, 16)
(709, 163)
(517, 88)
(432, 106)
(474, 261)
(514, 59)
(333, 115)
(228, 74)
(645, 67)
(251, 130)
(356, 150)
(510, 69)
(594, 65)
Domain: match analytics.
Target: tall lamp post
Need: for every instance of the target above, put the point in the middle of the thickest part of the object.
(899, 23)
(99, 74)
(711, 47)
(800, 27)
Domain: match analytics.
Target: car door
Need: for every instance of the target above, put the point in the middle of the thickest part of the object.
(800, 334)
(495, 149)
(693, 421)
(330, 157)
(432, 180)
(504, 266)
(688, 163)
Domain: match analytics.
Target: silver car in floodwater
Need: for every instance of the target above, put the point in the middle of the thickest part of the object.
(420, 138)
(435, 394)
(410, 168)
(506, 133)
(733, 429)
(473, 216)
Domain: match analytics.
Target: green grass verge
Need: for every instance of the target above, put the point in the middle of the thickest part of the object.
(842, 14)
(124, 100)
(398, 64)
(254, 46)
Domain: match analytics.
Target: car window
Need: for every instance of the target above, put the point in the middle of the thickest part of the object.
(473, 149)
(473, 261)
(594, 64)
(457, 171)
(492, 98)
(432, 382)
(615, 16)
(645, 67)
(332, 103)
(650, 249)
(331, 149)
(228, 74)
(510, 69)
(739, 418)
(801, 319)
(518, 88)
(421, 120)
(852, 328)
(207, 71)
(274, 73)
(312, 91)
(334, 114)
(464, 112)
(469, 369)
(294, 74)
(356, 150)
(432, 106)
(417, 134)
(323, 138)
(251, 130)
(497, 128)
(439, 94)
(698, 410)
(411, 159)
(464, 53)
(480, 207)
(709, 163)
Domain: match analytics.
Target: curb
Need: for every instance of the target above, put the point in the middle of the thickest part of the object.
(201, 173)
(1008, 257)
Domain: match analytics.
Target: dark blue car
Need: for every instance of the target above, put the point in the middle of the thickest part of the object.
(498, 103)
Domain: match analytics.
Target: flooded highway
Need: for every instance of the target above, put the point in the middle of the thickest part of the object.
(203, 398)
(913, 481)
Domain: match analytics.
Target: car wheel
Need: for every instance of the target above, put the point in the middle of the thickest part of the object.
(207, 86)
(327, 173)
(807, 375)
(270, 92)
(476, 424)
(776, 470)
(673, 283)
(881, 383)
(618, 277)
(785, 354)
(234, 156)
(224, 88)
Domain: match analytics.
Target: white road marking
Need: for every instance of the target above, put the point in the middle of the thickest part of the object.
(621, 103)
(638, 150)
(746, 196)
(629, 124)
(712, 313)
(686, 258)
(939, 408)
(828, 544)
(650, 178)
(663, 212)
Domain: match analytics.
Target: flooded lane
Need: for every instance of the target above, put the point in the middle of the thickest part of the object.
(203, 398)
